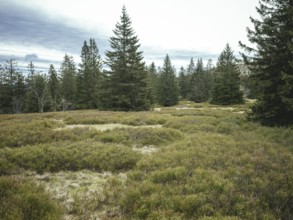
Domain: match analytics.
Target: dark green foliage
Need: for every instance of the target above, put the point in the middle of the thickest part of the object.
(183, 83)
(251, 90)
(167, 85)
(226, 84)
(54, 88)
(12, 88)
(153, 82)
(126, 84)
(23, 200)
(199, 84)
(89, 76)
(68, 82)
(272, 62)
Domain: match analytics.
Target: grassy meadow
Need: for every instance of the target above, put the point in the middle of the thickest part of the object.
(191, 161)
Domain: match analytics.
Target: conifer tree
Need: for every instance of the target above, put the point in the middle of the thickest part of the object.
(167, 87)
(68, 82)
(270, 60)
(12, 88)
(199, 84)
(89, 75)
(54, 88)
(31, 102)
(127, 87)
(183, 83)
(152, 82)
(226, 85)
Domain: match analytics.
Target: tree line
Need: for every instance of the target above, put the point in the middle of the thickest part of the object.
(127, 84)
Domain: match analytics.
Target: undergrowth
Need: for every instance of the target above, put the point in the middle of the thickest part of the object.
(23, 200)
(209, 163)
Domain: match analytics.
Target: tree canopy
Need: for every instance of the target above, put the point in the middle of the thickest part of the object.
(270, 58)
(226, 85)
(127, 78)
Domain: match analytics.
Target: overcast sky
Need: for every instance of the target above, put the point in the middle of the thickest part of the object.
(183, 29)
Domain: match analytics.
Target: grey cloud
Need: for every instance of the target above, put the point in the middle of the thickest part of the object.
(31, 57)
(26, 26)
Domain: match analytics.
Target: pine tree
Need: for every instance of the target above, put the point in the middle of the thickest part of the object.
(54, 88)
(167, 86)
(31, 102)
(19, 95)
(12, 88)
(271, 62)
(226, 85)
(68, 82)
(183, 83)
(127, 87)
(152, 82)
(89, 76)
(199, 84)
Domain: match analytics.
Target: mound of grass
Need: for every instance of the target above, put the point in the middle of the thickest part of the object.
(20, 133)
(140, 137)
(68, 156)
(23, 200)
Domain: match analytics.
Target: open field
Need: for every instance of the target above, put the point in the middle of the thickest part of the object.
(191, 161)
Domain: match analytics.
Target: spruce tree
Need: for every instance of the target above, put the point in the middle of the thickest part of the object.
(167, 87)
(152, 82)
(270, 60)
(199, 84)
(12, 88)
(226, 85)
(31, 102)
(127, 87)
(54, 88)
(68, 77)
(183, 83)
(89, 75)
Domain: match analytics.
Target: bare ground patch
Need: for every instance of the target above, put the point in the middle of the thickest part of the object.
(105, 127)
(81, 193)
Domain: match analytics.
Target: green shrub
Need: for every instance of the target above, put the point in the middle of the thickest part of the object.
(22, 200)
(68, 156)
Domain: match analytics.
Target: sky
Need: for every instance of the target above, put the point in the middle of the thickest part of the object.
(42, 31)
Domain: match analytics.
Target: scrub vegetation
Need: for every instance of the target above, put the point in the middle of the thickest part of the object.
(205, 162)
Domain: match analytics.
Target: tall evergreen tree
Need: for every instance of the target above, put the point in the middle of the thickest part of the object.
(226, 85)
(183, 82)
(199, 84)
(89, 76)
(19, 94)
(152, 82)
(12, 88)
(271, 62)
(167, 87)
(54, 88)
(31, 102)
(68, 82)
(127, 87)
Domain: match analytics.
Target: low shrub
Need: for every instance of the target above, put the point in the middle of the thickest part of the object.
(68, 156)
(23, 200)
